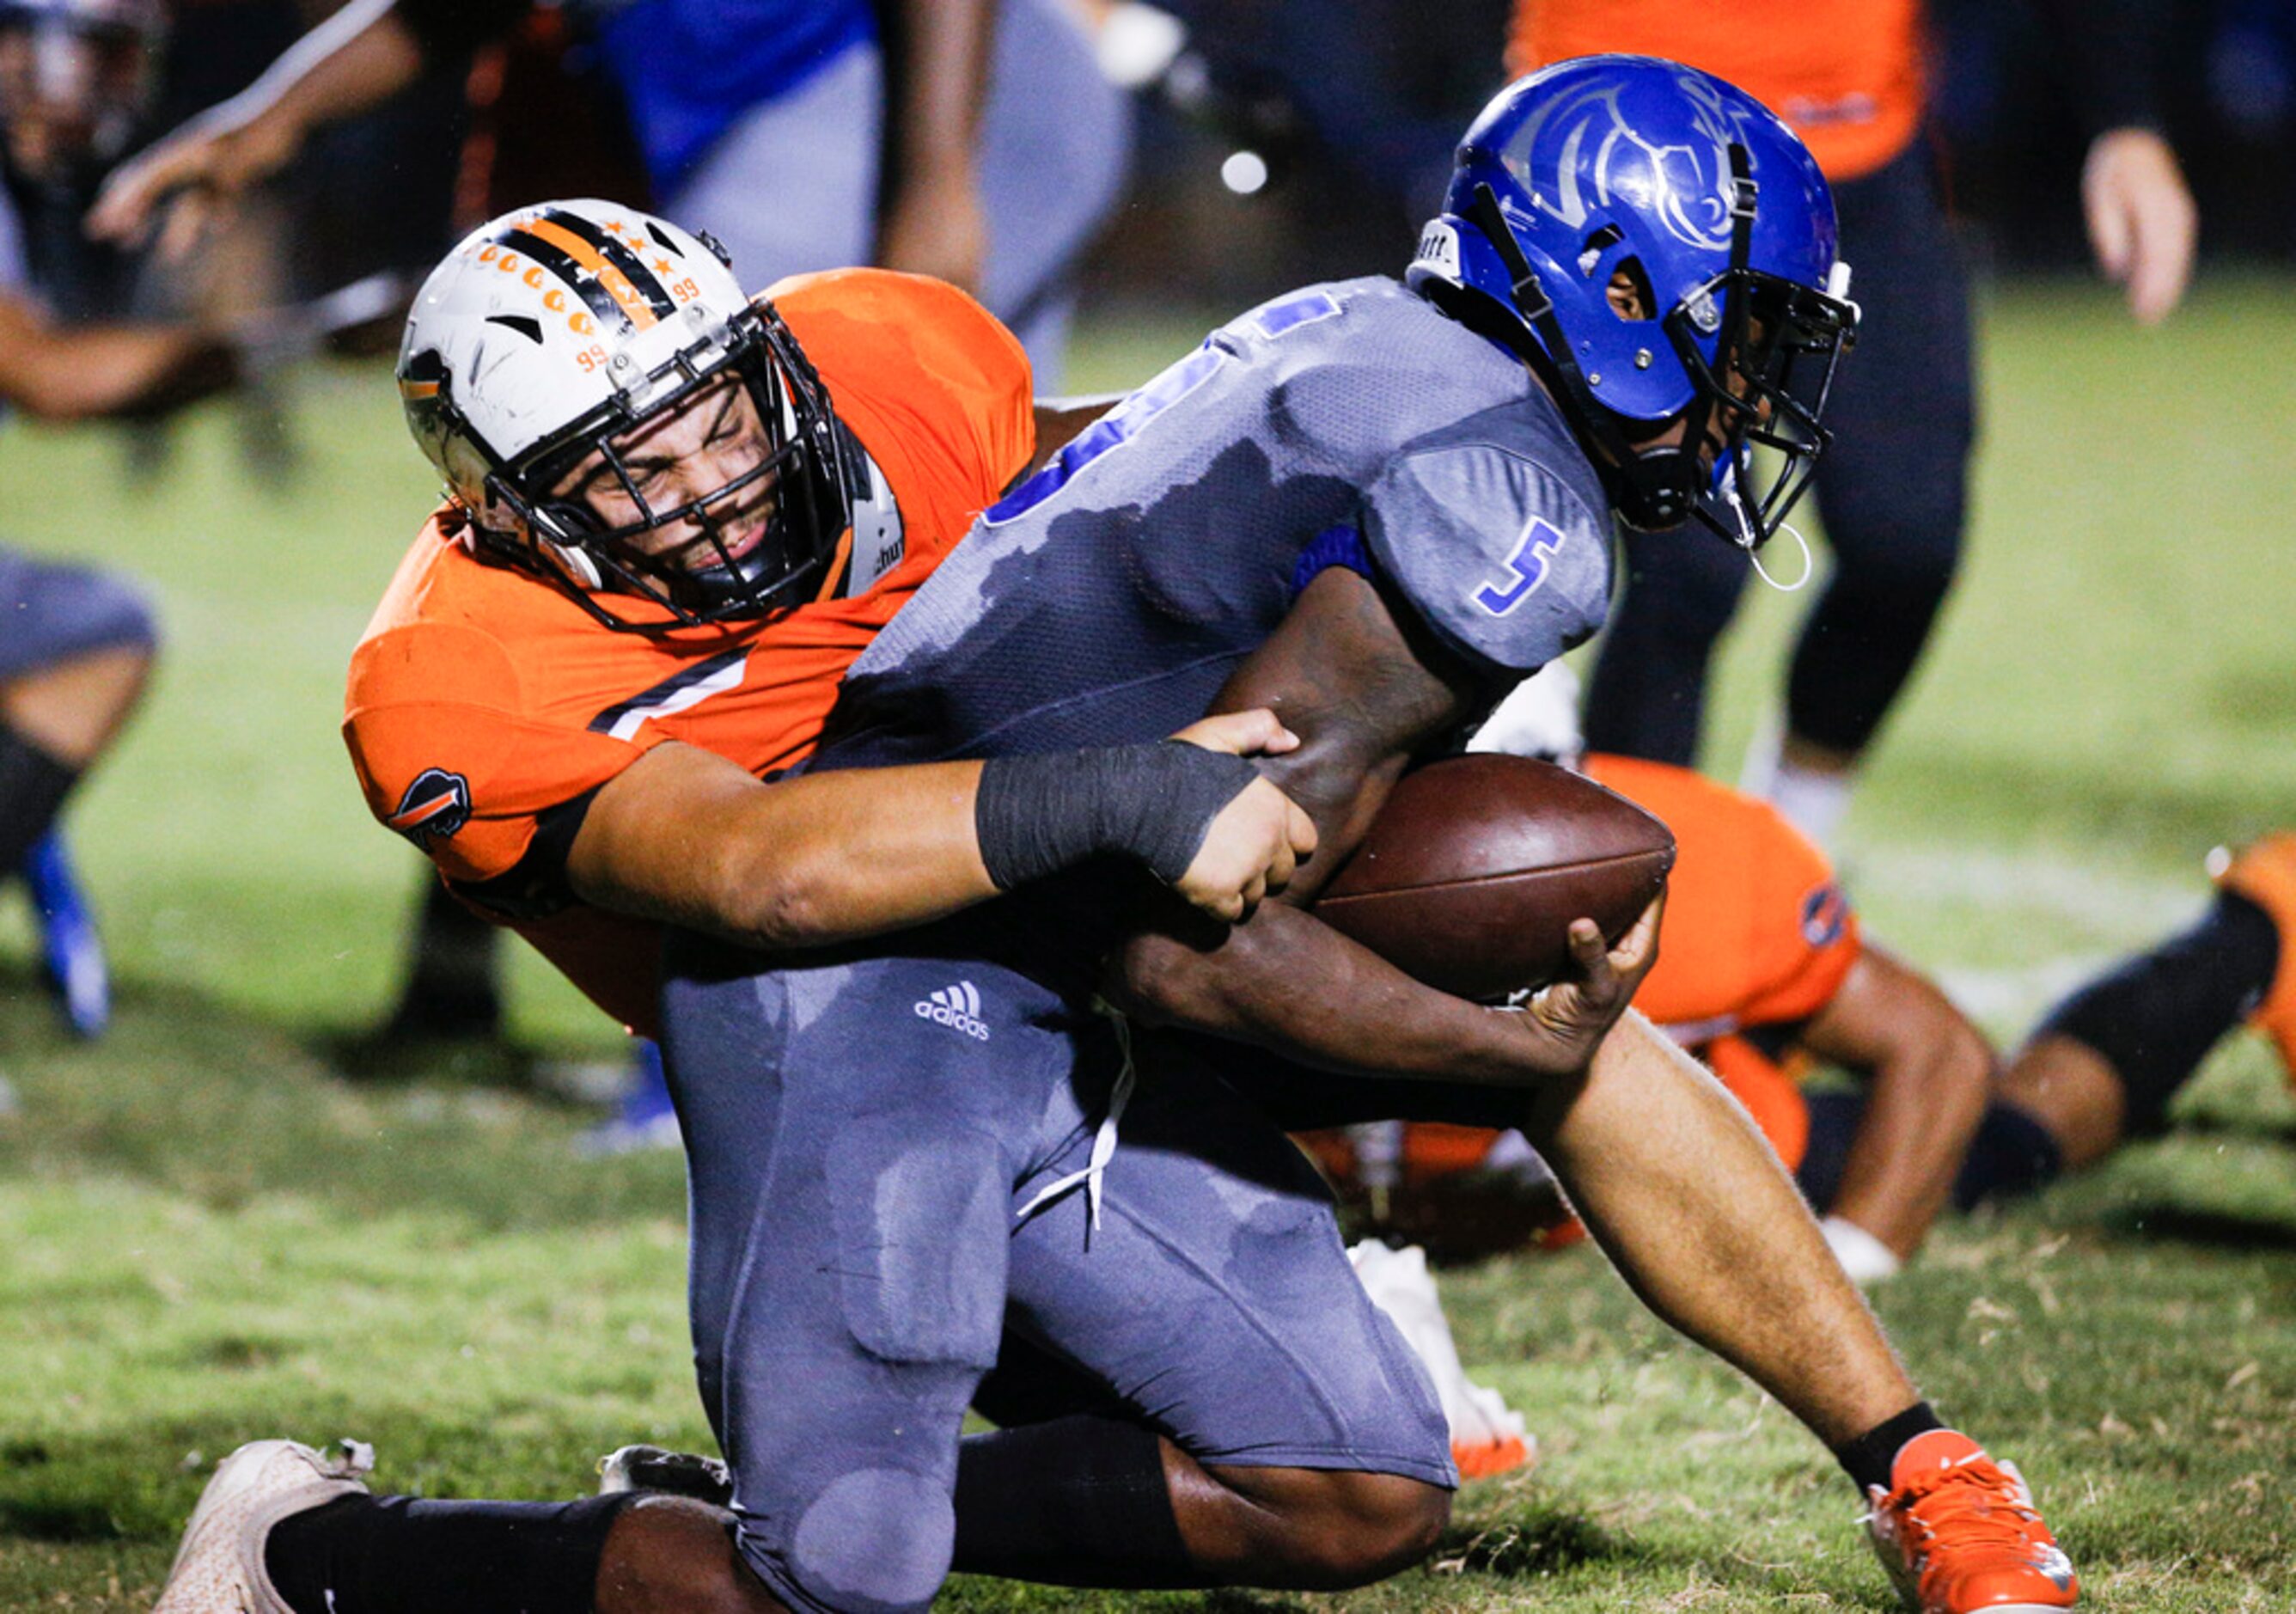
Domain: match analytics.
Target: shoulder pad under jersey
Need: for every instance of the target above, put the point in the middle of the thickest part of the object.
(1496, 549)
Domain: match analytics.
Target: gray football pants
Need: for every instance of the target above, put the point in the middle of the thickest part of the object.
(862, 1139)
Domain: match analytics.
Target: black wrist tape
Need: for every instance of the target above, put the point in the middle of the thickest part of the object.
(1036, 816)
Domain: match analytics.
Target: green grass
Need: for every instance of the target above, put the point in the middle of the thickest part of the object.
(206, 1235)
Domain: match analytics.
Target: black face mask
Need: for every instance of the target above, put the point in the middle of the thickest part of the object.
(1779, 344)
(804, 458)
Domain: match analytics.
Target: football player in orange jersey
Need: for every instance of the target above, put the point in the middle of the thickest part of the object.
(1850, 78)
(1765, 973)
(754, 547)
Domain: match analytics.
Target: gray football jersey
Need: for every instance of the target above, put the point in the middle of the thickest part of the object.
(1105, 599)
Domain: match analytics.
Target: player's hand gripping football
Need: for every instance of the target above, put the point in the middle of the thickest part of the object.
(1260, 837)
(1567, 1020)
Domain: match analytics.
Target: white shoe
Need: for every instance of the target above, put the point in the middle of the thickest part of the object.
(1486, 1436)
(219, 1568)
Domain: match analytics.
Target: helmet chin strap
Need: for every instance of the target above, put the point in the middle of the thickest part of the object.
(1750, 541)
(1808, 562)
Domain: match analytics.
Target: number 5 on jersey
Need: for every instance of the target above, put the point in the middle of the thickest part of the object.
(1526, 569)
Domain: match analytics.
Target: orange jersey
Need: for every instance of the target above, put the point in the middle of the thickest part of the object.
(1846, 75)
(1757, 930)
(481, 697)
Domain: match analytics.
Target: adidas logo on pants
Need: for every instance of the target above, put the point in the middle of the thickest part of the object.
(958, 1007)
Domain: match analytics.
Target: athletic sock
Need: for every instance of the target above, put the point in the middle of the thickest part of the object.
(2011, 1153)
(33, 785)
(1077, 1501)
(1869, 1457)
(398, 1555)
(2154, 1018)
(1814, 801)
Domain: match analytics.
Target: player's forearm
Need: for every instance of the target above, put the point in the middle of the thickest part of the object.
(940, 76)
(355, 61)
(95, 371)
(1287, 982)
(1924, 1103)
(1694, 1208)
(809, 862)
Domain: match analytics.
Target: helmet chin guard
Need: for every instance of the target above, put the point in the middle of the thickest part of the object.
(1659, 250)
(551, 345)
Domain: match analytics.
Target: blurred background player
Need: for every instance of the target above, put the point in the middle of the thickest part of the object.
(1766, 977)
(973, 140)
(75, 645)
(1852, 80)
(86, 333)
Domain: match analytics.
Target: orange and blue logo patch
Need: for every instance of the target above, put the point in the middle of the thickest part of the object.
(1825, 915)
(435, 806)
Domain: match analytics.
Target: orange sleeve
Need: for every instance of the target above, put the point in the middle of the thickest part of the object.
(449, 757)
(1757, 931)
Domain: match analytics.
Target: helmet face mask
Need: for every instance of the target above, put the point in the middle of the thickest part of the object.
(1611, 170)
(1781, 345)
(748, 544)
(634, 428)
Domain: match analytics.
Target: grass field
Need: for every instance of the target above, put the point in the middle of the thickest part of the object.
(206, 1236)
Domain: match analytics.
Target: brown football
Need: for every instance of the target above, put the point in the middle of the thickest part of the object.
(1471, 873)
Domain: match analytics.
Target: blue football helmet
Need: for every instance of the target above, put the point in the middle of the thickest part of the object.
(1657, 246)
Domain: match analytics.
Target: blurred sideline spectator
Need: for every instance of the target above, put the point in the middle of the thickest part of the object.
(75, 645)
(968, 139)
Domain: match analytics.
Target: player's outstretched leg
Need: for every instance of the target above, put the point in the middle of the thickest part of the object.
(284, 1529)
(1958, 1533)
(2104, 1064)
(220, 1568)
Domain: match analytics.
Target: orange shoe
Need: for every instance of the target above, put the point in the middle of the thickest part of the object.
(2265, 872)
(1958, 1534)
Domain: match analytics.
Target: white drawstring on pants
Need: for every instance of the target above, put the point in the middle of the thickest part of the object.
(1104, 1139)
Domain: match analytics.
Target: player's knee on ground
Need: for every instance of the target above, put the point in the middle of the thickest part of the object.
(1318, 1529)
(864, 1523)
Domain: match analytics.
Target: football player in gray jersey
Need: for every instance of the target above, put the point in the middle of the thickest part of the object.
(937, 1171)
(1371, 510)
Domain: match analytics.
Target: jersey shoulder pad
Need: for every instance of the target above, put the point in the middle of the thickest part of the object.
(1500, 556)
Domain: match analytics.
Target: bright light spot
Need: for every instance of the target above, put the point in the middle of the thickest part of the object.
(1244, 173)
(1138, 43)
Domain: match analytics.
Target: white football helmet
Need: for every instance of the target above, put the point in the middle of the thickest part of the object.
(554, 333)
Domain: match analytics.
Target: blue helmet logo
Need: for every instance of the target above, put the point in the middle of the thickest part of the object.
(1602, 160)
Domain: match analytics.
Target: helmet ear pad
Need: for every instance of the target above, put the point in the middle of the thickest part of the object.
(556, 531)
(574, 561)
